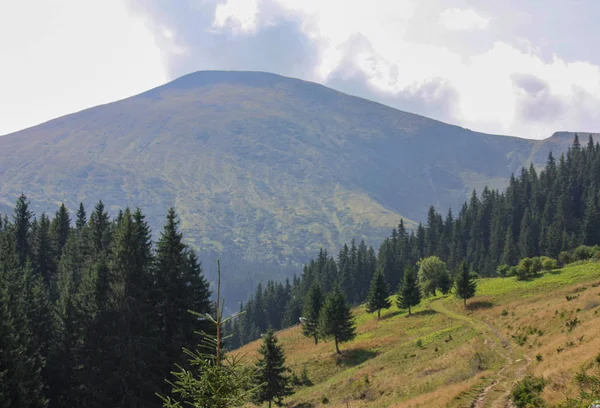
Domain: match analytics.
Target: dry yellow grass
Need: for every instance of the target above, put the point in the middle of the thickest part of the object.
(462, 352)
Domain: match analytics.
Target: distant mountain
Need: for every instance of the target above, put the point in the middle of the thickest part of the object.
(268, 166)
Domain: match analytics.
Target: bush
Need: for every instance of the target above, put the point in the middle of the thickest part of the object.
(565, 258)
(582, 253)
(502, 270)
(536, 266)
(527, 392)
(549, 264)
(304, 377)
(522, 272)
(512, 271)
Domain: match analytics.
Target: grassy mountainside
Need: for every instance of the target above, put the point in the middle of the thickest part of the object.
(271, 166)
(445, 355)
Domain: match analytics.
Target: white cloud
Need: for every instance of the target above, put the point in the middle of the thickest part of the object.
(240, 15)
(462, 20)
(68, 55)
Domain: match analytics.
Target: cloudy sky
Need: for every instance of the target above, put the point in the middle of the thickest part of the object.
(524, 68)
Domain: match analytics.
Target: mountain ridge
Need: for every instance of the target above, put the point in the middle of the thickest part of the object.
(270, 166)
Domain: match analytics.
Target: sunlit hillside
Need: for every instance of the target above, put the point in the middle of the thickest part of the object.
(444, 355)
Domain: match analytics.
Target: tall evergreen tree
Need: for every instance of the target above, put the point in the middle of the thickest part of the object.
(81, 221)
(43, 256)
(335, 320)
(409, 292)
(61, 227)
(22, 229)
(271, 372)
(378, 295)
(465, 283)
(312, 309)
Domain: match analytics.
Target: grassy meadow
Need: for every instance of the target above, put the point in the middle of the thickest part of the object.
(446, 355)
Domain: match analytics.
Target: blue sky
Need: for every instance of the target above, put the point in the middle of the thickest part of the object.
(524, 68)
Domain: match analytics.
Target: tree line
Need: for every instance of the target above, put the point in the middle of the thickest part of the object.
(541, 216)
(94, 314)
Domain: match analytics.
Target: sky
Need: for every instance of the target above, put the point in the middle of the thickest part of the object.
(522, 68)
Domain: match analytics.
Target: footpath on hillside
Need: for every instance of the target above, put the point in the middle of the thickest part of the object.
(497, 393)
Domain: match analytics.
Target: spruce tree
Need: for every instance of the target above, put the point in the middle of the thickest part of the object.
(22, 229)
(273, 383)
(312, 309)
(61, 227)
(335, 320)
(409, 293)
(378, 295)
(81, 221)
(100, 226)
(43, 256)
(214, 378)
(465, 283)
(509, 255)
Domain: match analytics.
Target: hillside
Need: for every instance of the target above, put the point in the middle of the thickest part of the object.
(269, 167)
(445, 355)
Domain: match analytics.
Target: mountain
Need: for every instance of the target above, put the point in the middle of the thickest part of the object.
(267, 166)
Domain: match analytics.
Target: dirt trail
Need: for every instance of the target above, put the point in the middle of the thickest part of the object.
(495, 395)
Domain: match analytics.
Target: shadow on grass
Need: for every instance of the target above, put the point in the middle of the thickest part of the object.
(305, 405)
(352, 358)
(426, 312)
(392, 314)
(478, 305)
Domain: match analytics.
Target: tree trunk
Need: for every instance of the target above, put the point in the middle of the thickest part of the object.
(337, 348)
(379, 314)
(409, 310)
(316, 340)
(269, 403)
(465, 299)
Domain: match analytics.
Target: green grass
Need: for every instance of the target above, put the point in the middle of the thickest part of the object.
(507, 289)
(445, 354)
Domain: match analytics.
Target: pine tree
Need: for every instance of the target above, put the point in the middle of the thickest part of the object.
(335, 320)
(273, 383)
(409, 292)
(465, 283)
(81, 218)
(43, 256)
(61, 227)
(312, 309)
(22, 229)
(509, 256)
(215, 378)
(378, 295)
(99, 225)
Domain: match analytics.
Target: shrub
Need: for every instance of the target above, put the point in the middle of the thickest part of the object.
(502, 270)
(419, 343)
(527, 392)
(582, 252)
(572, 323)
(522, 272)
(549, 264)
(504, 312)
(565, 258)
(512, 271)
(304, 377)
(539, 358)
(536, 266)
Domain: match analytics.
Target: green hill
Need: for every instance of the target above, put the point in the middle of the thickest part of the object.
(447, 356)
(269, 167)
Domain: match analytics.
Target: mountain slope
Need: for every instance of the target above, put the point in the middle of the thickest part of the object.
(444, 355)
(271, 166)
